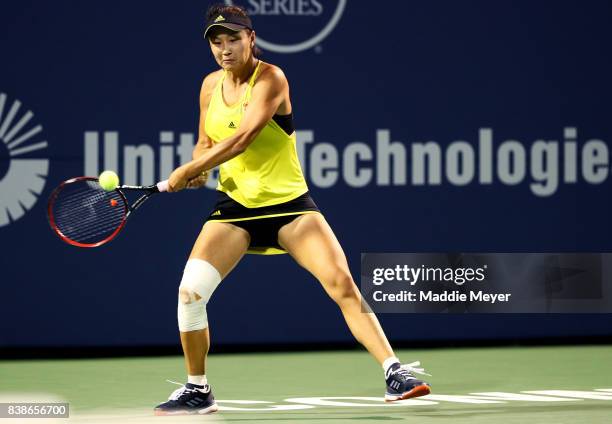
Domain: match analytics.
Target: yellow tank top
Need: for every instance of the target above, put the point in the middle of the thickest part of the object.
(268, 172)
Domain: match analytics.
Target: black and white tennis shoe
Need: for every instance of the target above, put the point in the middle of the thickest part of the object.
(188, 399)
(402, 384)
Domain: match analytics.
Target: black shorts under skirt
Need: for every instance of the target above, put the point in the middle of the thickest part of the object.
(261, 223)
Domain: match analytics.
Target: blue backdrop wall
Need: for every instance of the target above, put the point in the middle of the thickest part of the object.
(510, 100)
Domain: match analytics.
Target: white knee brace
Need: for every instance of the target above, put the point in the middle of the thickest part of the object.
(199, 281)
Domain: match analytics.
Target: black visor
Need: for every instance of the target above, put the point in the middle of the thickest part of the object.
(230, 21)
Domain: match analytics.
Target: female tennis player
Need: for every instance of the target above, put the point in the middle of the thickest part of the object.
(263, 207)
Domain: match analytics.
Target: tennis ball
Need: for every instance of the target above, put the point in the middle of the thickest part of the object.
(108, 180)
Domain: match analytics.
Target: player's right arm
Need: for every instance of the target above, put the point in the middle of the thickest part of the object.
(208, 86)
(204, 142)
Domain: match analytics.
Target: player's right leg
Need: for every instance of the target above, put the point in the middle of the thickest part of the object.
(218, 249)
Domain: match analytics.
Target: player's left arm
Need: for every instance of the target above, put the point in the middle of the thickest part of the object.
(267, 95)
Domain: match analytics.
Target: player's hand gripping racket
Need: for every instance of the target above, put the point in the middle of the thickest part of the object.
(85, 215)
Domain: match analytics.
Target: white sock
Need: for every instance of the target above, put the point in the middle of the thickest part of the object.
(388, 362)
(200, 380)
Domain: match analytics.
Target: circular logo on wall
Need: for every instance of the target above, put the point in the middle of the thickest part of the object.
(299, 24)
(22, 171)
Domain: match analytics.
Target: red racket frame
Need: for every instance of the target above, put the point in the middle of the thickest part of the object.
(68, 240)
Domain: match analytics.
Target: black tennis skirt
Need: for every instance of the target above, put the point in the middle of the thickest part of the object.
(261, 223)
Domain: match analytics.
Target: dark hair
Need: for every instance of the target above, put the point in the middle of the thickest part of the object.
(221, 8)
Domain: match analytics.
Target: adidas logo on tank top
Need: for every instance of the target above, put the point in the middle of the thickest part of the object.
(231, 125)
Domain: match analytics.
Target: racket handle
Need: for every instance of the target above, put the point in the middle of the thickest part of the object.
(162, 186)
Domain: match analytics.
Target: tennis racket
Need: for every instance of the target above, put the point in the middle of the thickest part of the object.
(83, 214)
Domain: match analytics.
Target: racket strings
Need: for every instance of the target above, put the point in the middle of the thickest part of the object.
(76, 211)
(86, 226)
(85, 213)
(89, 225)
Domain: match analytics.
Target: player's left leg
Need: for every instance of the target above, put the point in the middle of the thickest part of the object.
(311, 242)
